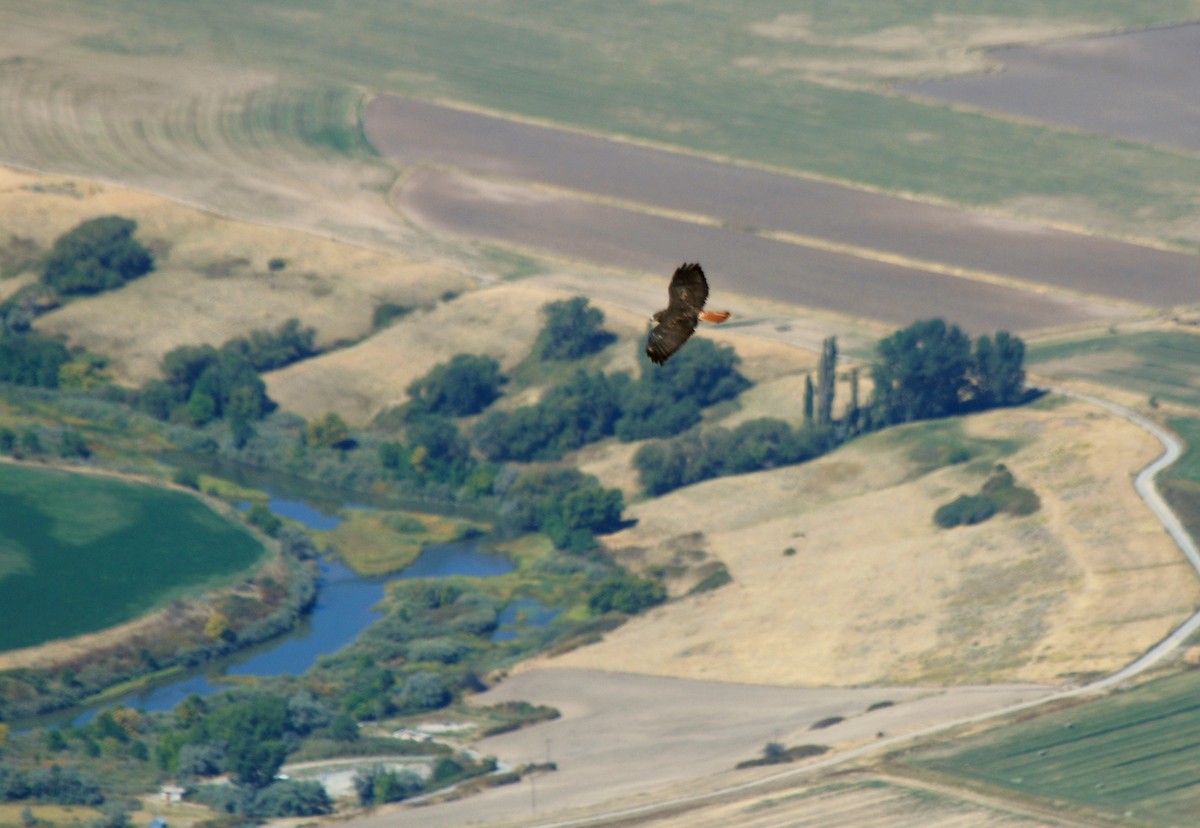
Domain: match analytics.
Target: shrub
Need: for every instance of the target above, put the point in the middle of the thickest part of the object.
(465, 385)
(98, 255)
(964, 510)
(573, 330)
(626, 593)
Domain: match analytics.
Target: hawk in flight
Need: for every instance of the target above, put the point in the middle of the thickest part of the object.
(676, 322)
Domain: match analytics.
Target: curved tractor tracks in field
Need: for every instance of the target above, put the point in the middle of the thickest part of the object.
(1144, 485)
(232, 142)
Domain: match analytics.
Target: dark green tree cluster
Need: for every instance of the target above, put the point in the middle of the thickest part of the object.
(247, 738)
(573, 329)
(433, 451)
(568, 505)
(29, 359)
(666, 400)
(268, 350)
(1000, 495)
(284, 798)
(377, 785)
(465, 385)
(580, 411)
(931, 369)
(98, 255)
(56, 784)
(626, 593)
(754, 445)
(203, 384)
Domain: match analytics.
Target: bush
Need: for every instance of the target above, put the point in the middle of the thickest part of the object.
(267, 350)
(764, 443)
(964, 510)
(98, 255)
(465, 385)
(573, 330)
(626, 593)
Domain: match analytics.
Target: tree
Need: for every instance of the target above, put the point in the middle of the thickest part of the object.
(573, 329)
(809, 398)
(921, 372)
(465, 385)
(329, 431)
(827, 381)
(997, 370)
(29, 359)
(268, 350)
(97, 255)
(626, 593)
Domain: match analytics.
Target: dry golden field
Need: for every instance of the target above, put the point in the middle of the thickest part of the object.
(874, 592)
(212, 280)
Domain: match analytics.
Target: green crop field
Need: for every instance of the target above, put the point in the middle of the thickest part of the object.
(1155, 363)
(1134, 753)
(802, 85)
(81, 553)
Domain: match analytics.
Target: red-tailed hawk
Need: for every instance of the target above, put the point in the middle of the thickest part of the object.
(685, 309)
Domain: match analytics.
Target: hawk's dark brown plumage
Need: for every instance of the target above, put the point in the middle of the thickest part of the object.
(685, 309)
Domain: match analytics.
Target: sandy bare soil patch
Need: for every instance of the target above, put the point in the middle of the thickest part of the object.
(213, 280)
(875, 593)
(621, 735)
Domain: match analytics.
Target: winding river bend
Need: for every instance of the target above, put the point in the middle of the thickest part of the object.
(345, 607)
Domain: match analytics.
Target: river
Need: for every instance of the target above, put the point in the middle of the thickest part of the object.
(345, 606)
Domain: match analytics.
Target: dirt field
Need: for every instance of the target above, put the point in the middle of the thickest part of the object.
(738, 197)
(764, 268)
(621, 735)
(875, 593)
(1148, 72)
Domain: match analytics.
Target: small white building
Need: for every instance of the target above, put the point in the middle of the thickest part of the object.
(171, 793)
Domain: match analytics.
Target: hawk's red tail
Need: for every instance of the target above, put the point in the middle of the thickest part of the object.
(714, 316)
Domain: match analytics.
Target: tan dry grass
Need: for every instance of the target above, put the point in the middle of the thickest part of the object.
(876, 593)
(500, 321)
(946, 45)
(212, 282)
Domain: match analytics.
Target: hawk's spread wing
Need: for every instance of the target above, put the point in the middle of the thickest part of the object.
(689, 289)
(687, 294)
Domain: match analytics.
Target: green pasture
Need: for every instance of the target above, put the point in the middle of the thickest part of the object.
(1158, 364)
(1135, 753)
(670, 72)
(80, 553)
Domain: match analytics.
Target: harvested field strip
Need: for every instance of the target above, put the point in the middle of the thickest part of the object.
(1135, 751)
(786, 207)
(757, 266)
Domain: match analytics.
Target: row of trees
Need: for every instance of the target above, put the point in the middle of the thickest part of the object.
(927, 370)
(593, 405)
(754, 445)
